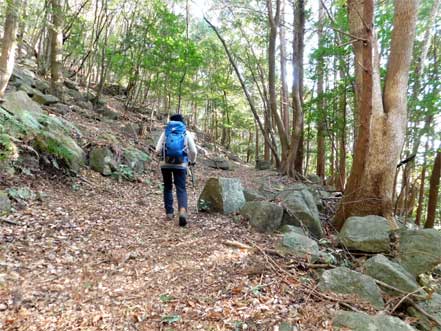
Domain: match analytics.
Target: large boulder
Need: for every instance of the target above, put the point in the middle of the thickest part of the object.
(263, 216)
(5, 203)
(135, 160)
(296, 244)
(101, 160)
(367, 234)
(23, 118)
(391, 273)
(419, 250)
(342, 280)
(21, 193)
(44, 99)
(432, 307)
(252, 195)
(301, 210)
(62, 147)
(263, 165)
(219, 163)
(224, 195)
(358, 321)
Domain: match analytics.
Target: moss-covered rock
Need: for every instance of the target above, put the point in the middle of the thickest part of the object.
(61, 147)
(5, 203)
(101, 159)
(263, 216)
(342, 280)
(224, 195)
(357, 321)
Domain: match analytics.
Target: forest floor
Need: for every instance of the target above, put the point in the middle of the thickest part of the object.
(97, 254)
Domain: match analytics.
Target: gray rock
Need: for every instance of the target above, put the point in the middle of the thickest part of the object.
(101, 160)
(219, 163)
(70, 84)
(135, 160)
(342, 280)
(251, 195)
(263, 165)
(263, 216)
(21, 193)
(224, 195)
(61, 109)
(367, 234)
(108, 113)
(44, 99)
(433, 307)
(419, 250)
(5, 203)
(300, 209)
(391, 273)
(84, 104)
(355, 321)
(313, 178)
(62, 147)
(292, 228)
(131, 129)
(42, 85)
(76, 95)
(299, 245)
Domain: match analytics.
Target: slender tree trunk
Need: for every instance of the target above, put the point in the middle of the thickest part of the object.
(321, 126)
(341, 175)
(433, 192)
(383, 118)
(273, 23)
(284, 100)
(294, 160)
(56, 54)
(9, 43)
(421, 194)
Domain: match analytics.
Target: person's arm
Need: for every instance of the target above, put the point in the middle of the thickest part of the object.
(160, 143)
(192, 150)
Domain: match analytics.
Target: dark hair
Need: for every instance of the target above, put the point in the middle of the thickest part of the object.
(177, 118)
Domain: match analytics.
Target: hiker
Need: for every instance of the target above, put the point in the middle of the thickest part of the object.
(178, 151)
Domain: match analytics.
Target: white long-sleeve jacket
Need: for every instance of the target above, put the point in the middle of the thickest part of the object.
(189, 145)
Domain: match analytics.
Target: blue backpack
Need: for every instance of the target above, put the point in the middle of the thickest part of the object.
(174, 147)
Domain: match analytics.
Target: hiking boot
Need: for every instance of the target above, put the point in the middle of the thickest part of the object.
(169, 217)
(182, 218)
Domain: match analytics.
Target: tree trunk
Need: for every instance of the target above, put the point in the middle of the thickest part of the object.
(382, 118)
(294, 161)
(9, 43)
(433, 192)
(341, 175)
(421, 194)
(321, 127)
(284, 100)
(56, 36)
(273, 23)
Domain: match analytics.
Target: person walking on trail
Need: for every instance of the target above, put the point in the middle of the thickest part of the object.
(178, 150)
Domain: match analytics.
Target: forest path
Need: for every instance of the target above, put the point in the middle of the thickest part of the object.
(98, 255)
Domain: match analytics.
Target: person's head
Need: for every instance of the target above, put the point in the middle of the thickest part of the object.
(177, 118)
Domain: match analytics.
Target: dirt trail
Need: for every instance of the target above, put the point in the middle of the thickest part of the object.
(97, 255)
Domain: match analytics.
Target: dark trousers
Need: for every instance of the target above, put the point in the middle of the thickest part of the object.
(178, 177)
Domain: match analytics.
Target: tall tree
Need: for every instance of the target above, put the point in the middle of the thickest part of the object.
(433, 191)
(321, 124)
(56, 35)
(382, 114)
(9, 43)
(293, 163)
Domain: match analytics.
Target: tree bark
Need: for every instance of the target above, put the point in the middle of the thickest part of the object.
(284, 100)
(294, 161)
(321, 127)
(433, 192)
(56, 36)
(9, 43)
(383, 117)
